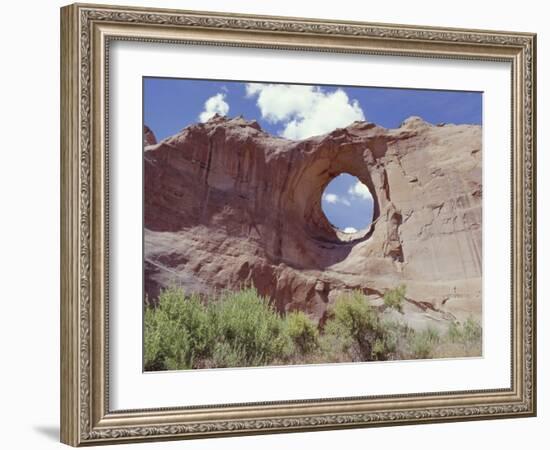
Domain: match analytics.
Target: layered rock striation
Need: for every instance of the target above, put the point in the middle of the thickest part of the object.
(227, 204)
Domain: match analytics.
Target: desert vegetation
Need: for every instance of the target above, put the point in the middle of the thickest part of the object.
(242, 329)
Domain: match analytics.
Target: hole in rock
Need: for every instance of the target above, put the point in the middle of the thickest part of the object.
(348, 204)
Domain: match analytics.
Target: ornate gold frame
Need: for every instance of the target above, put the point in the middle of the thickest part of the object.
(86, 31)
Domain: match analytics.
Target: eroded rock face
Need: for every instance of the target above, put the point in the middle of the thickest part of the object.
(148, 136)
(227, 204)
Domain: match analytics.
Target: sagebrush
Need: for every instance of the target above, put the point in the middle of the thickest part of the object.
(243, 329)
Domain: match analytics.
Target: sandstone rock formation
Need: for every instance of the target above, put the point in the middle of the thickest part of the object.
(148, 136)
(228, 204)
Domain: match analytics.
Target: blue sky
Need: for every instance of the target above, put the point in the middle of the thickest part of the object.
(172, 104)
(300, 111)
(347, 203)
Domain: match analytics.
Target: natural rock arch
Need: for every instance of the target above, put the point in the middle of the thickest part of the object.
(227, 204)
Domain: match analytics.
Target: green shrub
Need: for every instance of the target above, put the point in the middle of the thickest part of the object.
(302, 331)
(394, 298)
(423, 343)
(464, 333)
(391, 336)
(464, 339)
(334, 348)
(226, 355)
(177, 331)
(248, 325)
(379, 349)
(236, 329)
(454, 333)
(472, 331)
(153, 352)
(356, 325)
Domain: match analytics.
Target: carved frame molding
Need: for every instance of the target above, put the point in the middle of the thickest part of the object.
(86, 31)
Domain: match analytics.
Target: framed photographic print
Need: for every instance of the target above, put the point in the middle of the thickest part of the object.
(275, 224)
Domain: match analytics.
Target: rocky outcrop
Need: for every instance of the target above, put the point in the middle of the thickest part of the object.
(148, 136)
(227, 204)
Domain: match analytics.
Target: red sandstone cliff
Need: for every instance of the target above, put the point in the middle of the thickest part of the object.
(228, 204)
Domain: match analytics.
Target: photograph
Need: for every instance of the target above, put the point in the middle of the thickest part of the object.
(286, 221)
(296, 224)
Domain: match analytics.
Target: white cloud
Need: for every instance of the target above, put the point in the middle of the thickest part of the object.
(350, 230)
(214, 105)
(360, 190)
(333, 199)
(304, 111)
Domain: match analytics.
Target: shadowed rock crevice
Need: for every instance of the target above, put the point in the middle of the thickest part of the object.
(239, 206)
